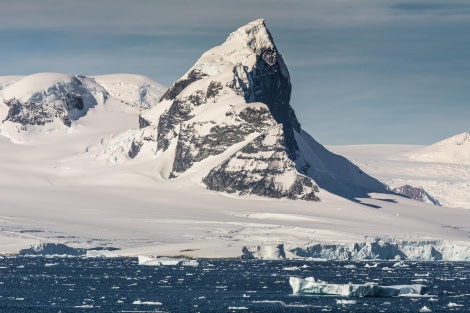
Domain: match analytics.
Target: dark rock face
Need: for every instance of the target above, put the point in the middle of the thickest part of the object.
(181, 84)
(32, 113)
(262, 168)
(214, 89)
(143, 122)
(135, 149)
(415, 193)
(73, 101)
(193, 147)
(267, 83)
(52, 249)
(271, 87)
(178, 112)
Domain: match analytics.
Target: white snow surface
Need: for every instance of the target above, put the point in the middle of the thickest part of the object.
(441, 169)
(52, 189)
(455, 150)
(136, 90)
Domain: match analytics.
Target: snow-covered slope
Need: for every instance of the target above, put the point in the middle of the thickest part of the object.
(454, 150)
(135, 90)
(50, 101)
(8, 80)
(437, 174)
(228, 123)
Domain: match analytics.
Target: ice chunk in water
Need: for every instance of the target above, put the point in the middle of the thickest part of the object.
(312, 287)
(163, 261)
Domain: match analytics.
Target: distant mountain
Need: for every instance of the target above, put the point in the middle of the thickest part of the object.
(55, 100)
(229, 122)
(438, 174)
(136, 90)
(455, 149)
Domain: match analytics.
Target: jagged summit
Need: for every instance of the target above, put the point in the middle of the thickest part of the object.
(228, 123)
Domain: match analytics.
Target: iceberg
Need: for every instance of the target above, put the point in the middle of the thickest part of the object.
(309, 286)
(264, 252)
(101, 254)
(165, 261)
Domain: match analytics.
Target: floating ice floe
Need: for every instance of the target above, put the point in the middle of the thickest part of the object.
(140, 302)
(424, 309)
(165, 261)
(345, 302)
(311, 287)
(101, 254)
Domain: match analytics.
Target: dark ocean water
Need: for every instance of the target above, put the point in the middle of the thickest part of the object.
(38, 284)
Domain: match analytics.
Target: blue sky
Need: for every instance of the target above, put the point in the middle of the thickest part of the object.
(363, 71)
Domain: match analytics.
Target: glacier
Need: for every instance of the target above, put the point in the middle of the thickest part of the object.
(391, 249)
(309, 286)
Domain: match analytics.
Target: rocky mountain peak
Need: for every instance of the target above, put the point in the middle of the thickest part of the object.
(230, 114)
(254, 35)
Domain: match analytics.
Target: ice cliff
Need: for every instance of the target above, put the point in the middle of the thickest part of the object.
(437, 250)
(264, 252)
(309, 286)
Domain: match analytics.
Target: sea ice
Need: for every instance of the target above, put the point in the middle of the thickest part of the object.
(310, 286)
(164, 261)
(137, 302)
(345, 302)
(101, 254)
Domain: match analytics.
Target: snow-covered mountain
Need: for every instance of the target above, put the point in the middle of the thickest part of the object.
(455, 150)
(136, 90)
(49, 101)
(230, 120)
(438, 174)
